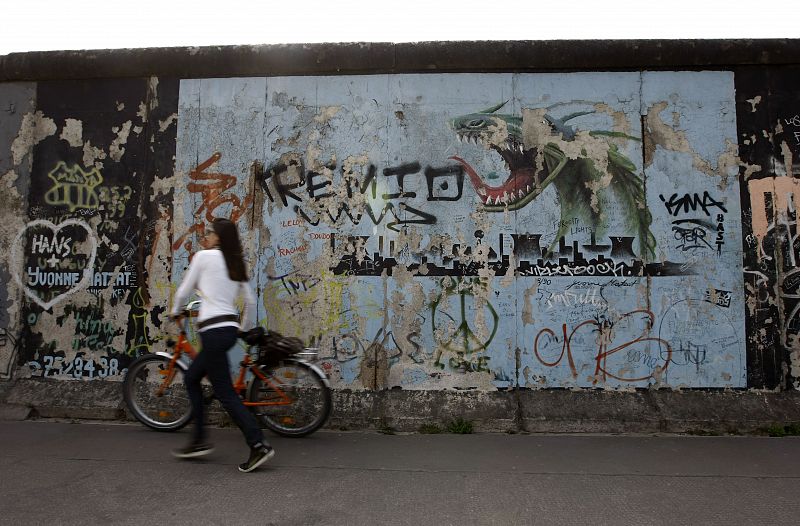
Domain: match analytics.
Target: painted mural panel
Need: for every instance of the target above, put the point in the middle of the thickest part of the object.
(16, 105)
(691, 164)
(587, 236)
(326, 150)
(78, 260)
(467, 337)
(769, 127)
(483, 231)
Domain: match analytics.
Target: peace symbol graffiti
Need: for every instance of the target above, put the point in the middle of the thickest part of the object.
(464, 341)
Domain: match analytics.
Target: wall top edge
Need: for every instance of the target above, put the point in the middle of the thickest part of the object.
(384, 57)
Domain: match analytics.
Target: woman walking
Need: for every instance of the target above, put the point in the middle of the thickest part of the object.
(219, 276)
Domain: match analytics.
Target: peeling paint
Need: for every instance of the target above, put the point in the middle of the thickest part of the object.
(754, 103)
(166, 123)
(35, 127)
(665, 136)
(116, 150)
(326, 114)
(91, 154)
(788, 162)
(142, 113)
(72, 132)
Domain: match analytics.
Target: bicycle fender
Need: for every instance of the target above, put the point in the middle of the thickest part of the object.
(316, 370)
(180, 362)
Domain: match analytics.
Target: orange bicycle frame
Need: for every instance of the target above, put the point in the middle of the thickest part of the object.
(183, 345)
(240, 385)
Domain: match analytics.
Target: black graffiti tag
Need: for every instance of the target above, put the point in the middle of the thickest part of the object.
(691, 233)
(443, 184)
(691, 202)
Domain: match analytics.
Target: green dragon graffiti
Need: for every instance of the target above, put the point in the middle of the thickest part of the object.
(533, 168)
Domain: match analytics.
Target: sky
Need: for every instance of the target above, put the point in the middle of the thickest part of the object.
(43, 25)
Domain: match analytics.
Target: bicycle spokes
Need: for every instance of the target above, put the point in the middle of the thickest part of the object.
(291, 398)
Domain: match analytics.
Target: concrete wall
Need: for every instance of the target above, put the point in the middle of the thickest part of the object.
(464, 231)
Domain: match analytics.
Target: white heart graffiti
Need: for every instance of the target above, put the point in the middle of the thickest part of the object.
(18, 263)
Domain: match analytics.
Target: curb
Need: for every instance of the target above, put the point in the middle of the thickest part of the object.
(511, 411)
(14, 412)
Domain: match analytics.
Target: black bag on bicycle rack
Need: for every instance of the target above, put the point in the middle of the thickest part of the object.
(274, 347)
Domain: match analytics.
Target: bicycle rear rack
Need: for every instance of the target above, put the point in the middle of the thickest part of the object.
(308, 353)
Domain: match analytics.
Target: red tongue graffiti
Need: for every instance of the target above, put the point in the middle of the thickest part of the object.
(518, 185)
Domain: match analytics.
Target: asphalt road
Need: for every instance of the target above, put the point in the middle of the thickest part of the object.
(89, 473)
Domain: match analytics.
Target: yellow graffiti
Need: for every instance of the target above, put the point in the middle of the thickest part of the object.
(308, 311)
(166, 289)
(140, 342)
(73, 187)
(116, 199)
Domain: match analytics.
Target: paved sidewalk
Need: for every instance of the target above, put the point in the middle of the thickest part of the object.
(61, 473)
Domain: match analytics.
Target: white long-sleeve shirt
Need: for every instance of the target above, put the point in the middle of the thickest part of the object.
(208, 274)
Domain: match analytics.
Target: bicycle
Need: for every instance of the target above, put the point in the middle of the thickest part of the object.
(288, 395)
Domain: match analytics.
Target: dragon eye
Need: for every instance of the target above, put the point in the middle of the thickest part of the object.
(475, 123)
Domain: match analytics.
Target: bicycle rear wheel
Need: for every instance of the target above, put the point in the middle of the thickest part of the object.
(298, 398)
(154, 400)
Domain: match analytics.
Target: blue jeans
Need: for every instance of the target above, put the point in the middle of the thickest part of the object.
(213, 362)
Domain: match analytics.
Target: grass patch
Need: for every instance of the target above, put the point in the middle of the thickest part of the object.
(429, 429)
(459, 426)
(703, 433)
(778, 430)
(386, 429)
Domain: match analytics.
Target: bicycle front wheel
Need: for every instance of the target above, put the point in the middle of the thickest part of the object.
(155, 393)
(294, 401)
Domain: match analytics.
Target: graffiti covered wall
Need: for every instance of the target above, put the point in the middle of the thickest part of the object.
(483, 231)
(18, 129)
(769, 131)
(465, 231)
(77, 260)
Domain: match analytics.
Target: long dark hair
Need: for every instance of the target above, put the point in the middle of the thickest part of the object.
(231, 248)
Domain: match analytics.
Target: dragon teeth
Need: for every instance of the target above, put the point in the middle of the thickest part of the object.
(481, 191)
(489, 200)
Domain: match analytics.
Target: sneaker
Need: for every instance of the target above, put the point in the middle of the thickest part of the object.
(258, 455)
(193, 450)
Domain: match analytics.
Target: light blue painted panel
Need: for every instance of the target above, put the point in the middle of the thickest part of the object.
(448, 230)
(693, 197)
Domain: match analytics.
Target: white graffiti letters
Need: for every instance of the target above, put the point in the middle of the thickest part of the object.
(53, 244)
(56, 245)
(37, 278)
